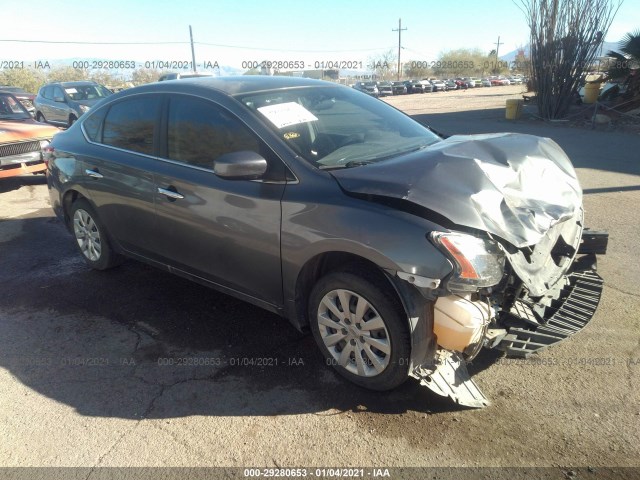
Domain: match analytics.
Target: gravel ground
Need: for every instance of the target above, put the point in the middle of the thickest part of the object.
(479, 98)
(136, 367)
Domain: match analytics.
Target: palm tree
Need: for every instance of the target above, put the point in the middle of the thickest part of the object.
(628, 58)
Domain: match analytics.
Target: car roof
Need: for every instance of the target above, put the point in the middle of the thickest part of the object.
(233, 85)
(78, 83)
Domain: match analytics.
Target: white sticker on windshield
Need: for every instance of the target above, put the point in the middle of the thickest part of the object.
(285, 114)
(71, 90)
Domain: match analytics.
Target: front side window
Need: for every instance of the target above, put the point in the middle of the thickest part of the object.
(130, 124)
(336, 127)
(199, 132)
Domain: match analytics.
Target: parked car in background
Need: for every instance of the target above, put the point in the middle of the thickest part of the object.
(438, 86)
(385, 88)
(485, 82)
(63, 103)
(403, 253)
(399, 88)
(469, 83)
(495, 82)
(427, 86)
(21, 138)
(25, 97)
(370, 88)
(515, 80)
(414, 86)
(451, 84)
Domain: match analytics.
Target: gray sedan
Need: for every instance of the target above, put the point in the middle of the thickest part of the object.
(404, 253)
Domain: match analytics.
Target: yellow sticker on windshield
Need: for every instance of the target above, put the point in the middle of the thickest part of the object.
(291, 135)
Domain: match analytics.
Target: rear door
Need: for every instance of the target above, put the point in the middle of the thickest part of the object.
(226, 231)
(118, 169)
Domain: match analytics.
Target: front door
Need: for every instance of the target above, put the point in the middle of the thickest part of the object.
(226, 231)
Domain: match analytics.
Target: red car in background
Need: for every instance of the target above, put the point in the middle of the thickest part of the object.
(21, 139)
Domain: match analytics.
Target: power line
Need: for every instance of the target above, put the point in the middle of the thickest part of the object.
(89, 43)
(58, 42)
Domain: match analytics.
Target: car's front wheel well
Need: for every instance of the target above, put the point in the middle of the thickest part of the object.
(330, 262)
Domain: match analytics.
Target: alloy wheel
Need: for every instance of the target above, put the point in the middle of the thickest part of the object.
(354, 333)
(87, 235)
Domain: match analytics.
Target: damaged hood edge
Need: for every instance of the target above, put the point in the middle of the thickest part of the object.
(515, 186)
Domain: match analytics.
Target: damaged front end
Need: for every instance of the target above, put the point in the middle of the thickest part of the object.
(548, 292)
(524, 268)
(510, 320)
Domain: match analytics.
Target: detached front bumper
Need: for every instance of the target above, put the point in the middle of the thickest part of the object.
(571, 310)
(528, 327)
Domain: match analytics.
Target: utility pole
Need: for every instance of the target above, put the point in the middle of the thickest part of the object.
(399, 30)
(193, 52)
(497, 44)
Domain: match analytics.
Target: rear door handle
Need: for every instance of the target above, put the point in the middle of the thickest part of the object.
(93, 173)
(170, 193)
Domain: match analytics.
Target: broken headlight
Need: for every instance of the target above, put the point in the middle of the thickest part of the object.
(477, 262)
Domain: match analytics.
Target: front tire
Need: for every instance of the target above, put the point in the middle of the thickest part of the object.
(91, 237)
(361, 329)
(40, 117)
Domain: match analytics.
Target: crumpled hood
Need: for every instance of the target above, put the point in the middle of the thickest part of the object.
(511, 185)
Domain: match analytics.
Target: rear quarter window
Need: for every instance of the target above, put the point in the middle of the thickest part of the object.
(93, 123)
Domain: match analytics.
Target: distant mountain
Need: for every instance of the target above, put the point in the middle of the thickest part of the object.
(511, 56)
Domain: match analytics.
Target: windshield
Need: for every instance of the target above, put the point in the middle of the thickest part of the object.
(11, 108)
(87, 92)
(336, 127)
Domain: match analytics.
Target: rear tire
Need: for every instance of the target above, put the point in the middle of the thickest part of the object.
(91, 237)
(361, 329)
(72, 120)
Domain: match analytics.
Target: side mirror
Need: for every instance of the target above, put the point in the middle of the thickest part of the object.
(58, 99)
(243, 165)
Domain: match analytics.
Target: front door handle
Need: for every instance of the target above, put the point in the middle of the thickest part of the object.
(170, 193)
(93, 173)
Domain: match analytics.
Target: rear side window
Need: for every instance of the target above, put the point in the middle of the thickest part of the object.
(57, 93)
(130, 124)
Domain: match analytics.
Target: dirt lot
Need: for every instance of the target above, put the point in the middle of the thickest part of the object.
(135, 367)
(456, 100)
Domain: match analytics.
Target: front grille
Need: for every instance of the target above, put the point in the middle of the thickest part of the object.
(19, 148)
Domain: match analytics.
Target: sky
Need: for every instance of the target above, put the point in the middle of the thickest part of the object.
(235, 32)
